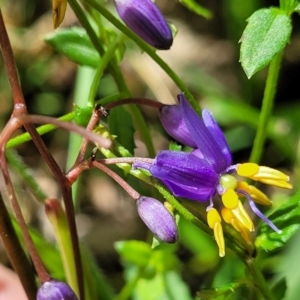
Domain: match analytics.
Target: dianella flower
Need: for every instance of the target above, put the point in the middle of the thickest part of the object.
(158, 219)
(145, 19)
(208, 171)
(55, 290)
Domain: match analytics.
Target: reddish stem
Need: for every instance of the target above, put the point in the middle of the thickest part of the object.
(132, 192)
(97, 113)
(38, 264)
(18, 112)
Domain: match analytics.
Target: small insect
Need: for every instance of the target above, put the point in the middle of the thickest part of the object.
(104, 111)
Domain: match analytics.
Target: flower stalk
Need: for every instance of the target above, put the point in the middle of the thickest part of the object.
(266, 109)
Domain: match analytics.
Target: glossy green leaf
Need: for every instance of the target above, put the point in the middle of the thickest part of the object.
(120, 124)
(267, 33)
(75, 44)
(135, 252)
(287, 219)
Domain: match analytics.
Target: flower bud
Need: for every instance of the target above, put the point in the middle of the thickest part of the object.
(55, 290)
(172, 120)
(158, 219)
(145, 19)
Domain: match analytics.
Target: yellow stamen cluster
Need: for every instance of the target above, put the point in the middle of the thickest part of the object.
(233, 211)
(229, 218)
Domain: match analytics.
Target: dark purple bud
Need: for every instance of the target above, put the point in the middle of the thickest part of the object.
(158, 219)
(145, 19)
(172, 119)
(55, 290)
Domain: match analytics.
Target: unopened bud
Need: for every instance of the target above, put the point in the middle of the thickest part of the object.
(158, 219)
(145, 19)
(55, 290)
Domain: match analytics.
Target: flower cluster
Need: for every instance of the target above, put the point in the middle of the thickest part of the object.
(208, 171)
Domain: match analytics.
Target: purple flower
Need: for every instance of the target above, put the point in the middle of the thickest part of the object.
(145, 19)
(173, 122)
(206, 171)
(158, 219)
(55, 290)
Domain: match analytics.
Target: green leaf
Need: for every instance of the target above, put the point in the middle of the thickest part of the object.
(164, 286)
(267, 33)
(193, 6)
(120, 124)
(75, 44)
(287, 219)
(297, 8)
(279, 289)
(135, 252)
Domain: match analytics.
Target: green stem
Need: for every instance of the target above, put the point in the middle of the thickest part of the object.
(106, 59)
(116, 73)
(146, 48)
(259, 279)
(128, 288)
(266, 109)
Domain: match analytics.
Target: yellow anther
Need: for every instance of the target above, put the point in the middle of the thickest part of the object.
(238, 226)
(243, 185)
(279, 183)
(269, 173)
(272, 176)
(227, 215)
(257, 195)
(241, 215)
(229, 218)
(230, 199)
(214, 222)
(59, 9)
(213, 217)
(218, 233)
(247, 169)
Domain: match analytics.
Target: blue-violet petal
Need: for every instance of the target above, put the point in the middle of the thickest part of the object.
(217, 134)
(172, 120)
(203, 138)
(185, 174)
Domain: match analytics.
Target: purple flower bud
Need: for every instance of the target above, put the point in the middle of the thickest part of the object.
(55, 290)
(172, 119)
(145, 19)
(158, 219)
